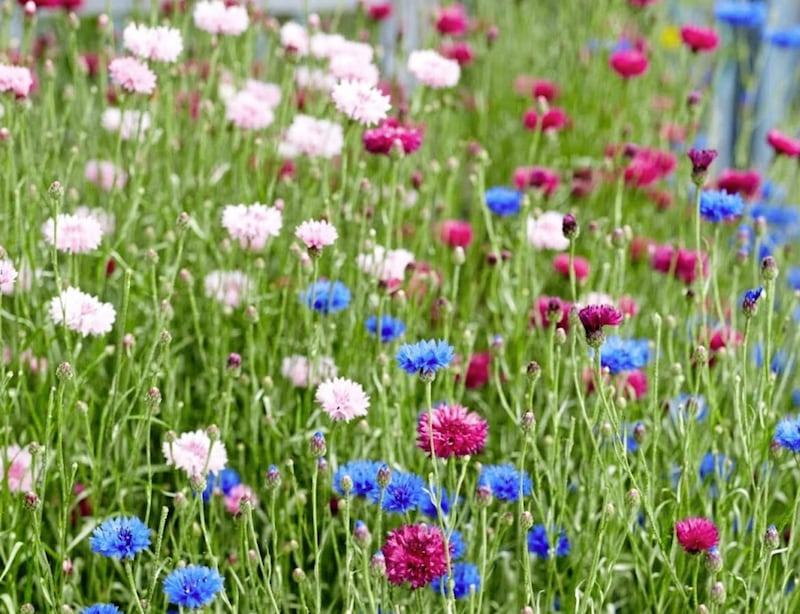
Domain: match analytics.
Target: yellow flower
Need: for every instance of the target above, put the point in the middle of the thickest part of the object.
(670, 37)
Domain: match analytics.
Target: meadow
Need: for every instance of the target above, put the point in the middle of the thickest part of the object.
(293, 320)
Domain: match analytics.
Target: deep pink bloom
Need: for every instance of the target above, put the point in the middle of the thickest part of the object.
(377, 10)
(414, 554)
(132, 75)
(460, 51)
(379, 140)
(701, 160)
(456, 233)
(452, 20)
(555, 119)
(536, 177)
(734, 181)
(594, 318)
(722, 340)
(629, 63)
(681, 262)
(783, 144)
(542, 88)
(456, 431)
(530, 119)
(579, 264)
(634, 384)
(548, 310)
(696, 534)
(698, 38)
(648, 166)
(478, 374)
(641, 3)
(316, 234)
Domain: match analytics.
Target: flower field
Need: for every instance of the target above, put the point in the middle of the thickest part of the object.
(296, 317)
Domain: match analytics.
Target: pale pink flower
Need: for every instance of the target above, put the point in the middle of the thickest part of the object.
(82, 312)
(16, 79)
(433, 69)
(105, 175)
(8, 275)
(316, 234)
(74, 234)
(252, 224)
(128, 123)
(312, 137)
(352, 67)
(196, 453)
(104, 218)
(324, 45)
(385, 265)
(342, 399)
(235, 496)
(360, 102)
(215, 17)
(304, 373)
(313, 79)
(546, 231)
(227, 287)
(248, 112)
(161, 44)
(268, 93)
(18, 470)
(294, 37)
(132, 75)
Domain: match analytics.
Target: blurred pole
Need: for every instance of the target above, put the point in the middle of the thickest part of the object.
(407, 27)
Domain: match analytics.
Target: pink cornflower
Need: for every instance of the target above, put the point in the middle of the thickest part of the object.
(128, 123)
(105, 175)
(456, 431)
(680, 262)
(594, 318)
(312, 137)
(783, 144)
(452, 20)
(314, 79)
(82, 312)
(554, 120)
(388, 266)
(15, 79)
(381, 139)
(19, 471)
(227, 287)
(541, 88)
(698, 38)
(268, 93)
(234, 498)
(74, 234)
(132, 75)
(579, 265)
(545, 231)
(456, 233)
(537, 177)
(460, 51)
(196, 453)
(294, 38)
(316, 234)
(8, 275)
(433, 69)
(735, 181)
(378, 10)
(414, 554)
(104, 218)
(629, 63)
(161, 44)
(345, 66)
(215, 17)
(248, 112)
(342, 399)
(360, 102)
(252, 225)
(696, 535)
(550, 310)
(304, 373)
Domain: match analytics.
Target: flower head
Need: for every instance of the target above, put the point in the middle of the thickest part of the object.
(433, 69)
(424, 358)
(303, 373)
(414, 554)
(132, 75)
(386, 265)
(546, 231)
(452, 20)
(161, 44)
(750, 301)
(539, 544)
(217, 17)
(787, 434)
(312, 137)
(360, 101)
(466, 577)
(222, 482)
(342, 399)
(18, 474)
(105, 175)
(249, 112)
(316, 234)
(629, 63)
(404, 493)
(82, 312)
(326, 296)
(252, 225)
(8, 275)
(227, 287)
(696, 534)
(102, 608)
(618, 354)
(15, 79)
(74, 234)
(391, 328)
(237, 494)
(720, 206)
(506, 481)
(192, 586)
(701, 160)
(389, 133)
(594, 318)
(456, 431)
(744, 182)
(130, 124)
(741, 14)
(196, 453)
(364, 475)
(783, 144)
(120, 537)
(503, 201)
(698, 38)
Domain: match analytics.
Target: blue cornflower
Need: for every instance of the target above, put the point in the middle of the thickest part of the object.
(784, 217)
(620, 355)
(404, 493)
(193, 586)
(780, 363)
(505, 481)
(793, 278)
(539, 544)
(391, 328)
(426, 505)
(629, 435)
(326, 296)
(716, 206)
(741, 14)
(457, 546)
(465, 576)
(503, 201)
(787, 434)
(716, 466)
(102, 608)
(425, 358)
(227, 479)
(364, 474)
(688, 406)
(120, 537)
(788, 39)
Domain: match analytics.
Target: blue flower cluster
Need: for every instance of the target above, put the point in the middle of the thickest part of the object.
(326, 296)
(505, 481)
(391, 328)
(363, 473)
(539, 544)
(466, 577)
(120, 537)
(716, 206)
(618, 355)
(787, 433)
(787, 39)
(102, 608)
(503, 201)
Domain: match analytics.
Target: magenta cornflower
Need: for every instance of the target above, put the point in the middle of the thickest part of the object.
(696, 534)
(456, 431)
(414, 554)
(82, 312)
(701, 160)
(629, 63)
(252, 225)
(433, 69)
(360, 101)
(196, 453)
(342, 399)
(132, 75)
(316, 234)
(15, 79)
(216, 17)
(74, 234)
(594, 318)
(390, 133)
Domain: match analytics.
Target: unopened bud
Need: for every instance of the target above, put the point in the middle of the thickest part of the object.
(769, 269)
(718, 594)
(31, 502)
(318, 445)
(771, 537)
(713, 561)
(384, 477)
(361, 534)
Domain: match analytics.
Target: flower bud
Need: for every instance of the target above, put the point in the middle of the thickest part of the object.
(384, 477)
(64, 372)
(483, 495)
(31, 502)
(769, 269)
(526, 520)
(361, 534)
(273, 477)
(700, 355)
(298, 575)
(633, 499)
(346, 484)
(771, 537)
(718, 594)
(377, 564)
(713, 561)
(318, 445)
(569, 227)
(528, 422)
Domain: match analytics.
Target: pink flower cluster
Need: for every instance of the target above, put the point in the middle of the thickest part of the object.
(132, 75)
(312, 137)
(648, 166)
(252, 225)
(433, 69)
(161, 44)
(682, 263)
(538, 178)
(15, 79)
(217, 17)
(390, 131)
